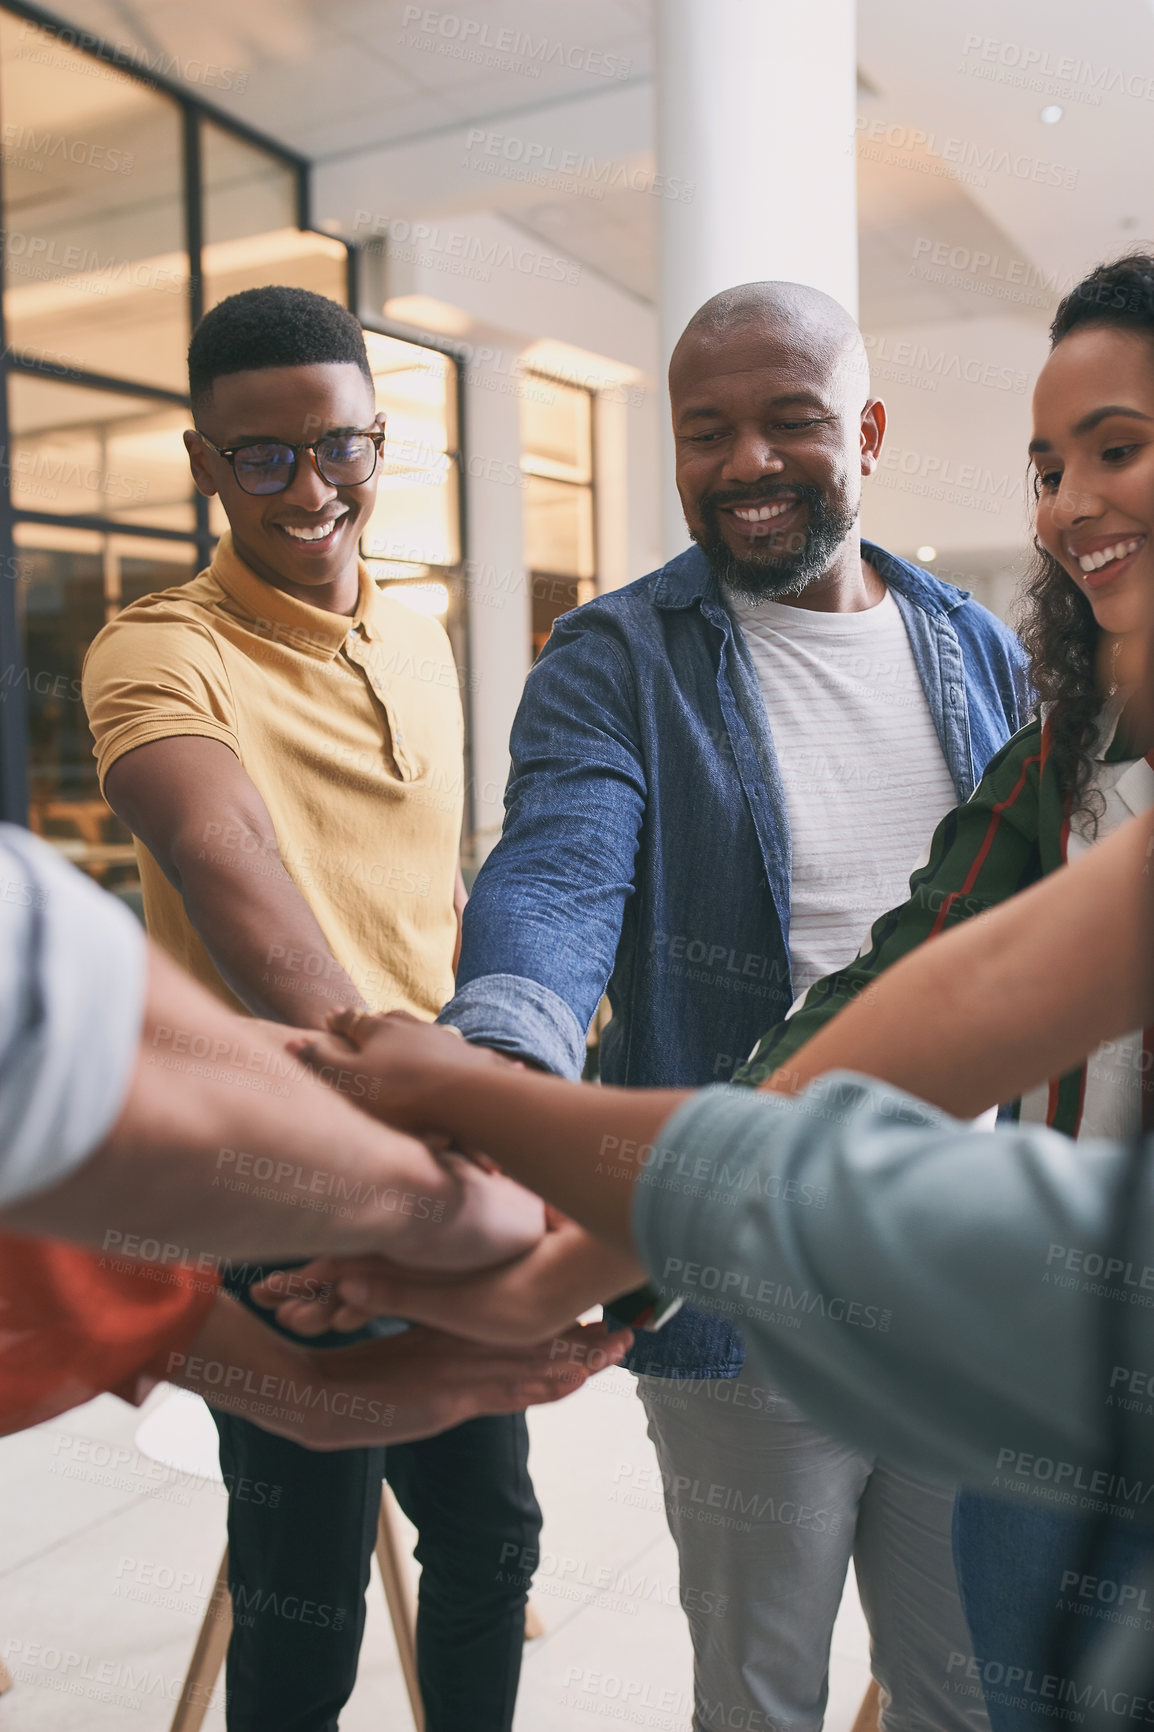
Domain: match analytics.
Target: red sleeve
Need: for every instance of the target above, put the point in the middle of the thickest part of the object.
(75, 1322)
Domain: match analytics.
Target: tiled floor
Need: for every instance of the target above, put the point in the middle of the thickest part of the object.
(106, 1561)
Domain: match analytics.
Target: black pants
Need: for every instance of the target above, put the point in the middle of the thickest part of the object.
(301, 1530)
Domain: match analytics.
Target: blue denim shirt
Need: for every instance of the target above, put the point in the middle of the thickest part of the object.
(646, 847)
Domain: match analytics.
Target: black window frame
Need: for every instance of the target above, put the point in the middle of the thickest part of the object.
(195, 111)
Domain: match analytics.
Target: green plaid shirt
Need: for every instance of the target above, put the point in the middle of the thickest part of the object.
(1010, 833)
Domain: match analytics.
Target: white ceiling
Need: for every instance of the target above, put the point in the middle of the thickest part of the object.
(337, 78)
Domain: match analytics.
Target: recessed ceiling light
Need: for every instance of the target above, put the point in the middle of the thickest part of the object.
(1051, 114)
(926, 553)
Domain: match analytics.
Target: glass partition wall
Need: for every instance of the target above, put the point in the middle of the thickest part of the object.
(557, 462)
(128, 209)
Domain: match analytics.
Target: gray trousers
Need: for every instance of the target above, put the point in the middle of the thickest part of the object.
(766, 1512)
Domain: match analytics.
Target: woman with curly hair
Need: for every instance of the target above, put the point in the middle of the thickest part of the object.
(1067, 780)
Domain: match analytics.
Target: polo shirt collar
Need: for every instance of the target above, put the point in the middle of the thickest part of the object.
(313, 630)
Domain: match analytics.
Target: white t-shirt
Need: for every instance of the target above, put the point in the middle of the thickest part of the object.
(865, 779)
(1112, 1099)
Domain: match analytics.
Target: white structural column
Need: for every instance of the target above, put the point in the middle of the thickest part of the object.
(497, 588)
(756, 110)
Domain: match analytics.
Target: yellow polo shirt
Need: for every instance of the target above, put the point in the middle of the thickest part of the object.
(351, 729)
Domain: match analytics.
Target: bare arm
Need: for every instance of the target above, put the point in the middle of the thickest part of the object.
(199, 814)
(411, 1385)
(580, 1148)
(563, 1275)
(1009, 999)
(226, 1146)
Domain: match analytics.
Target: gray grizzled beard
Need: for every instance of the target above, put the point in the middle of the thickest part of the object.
(787, 570)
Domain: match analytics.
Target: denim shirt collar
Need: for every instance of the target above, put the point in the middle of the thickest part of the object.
(688, 580)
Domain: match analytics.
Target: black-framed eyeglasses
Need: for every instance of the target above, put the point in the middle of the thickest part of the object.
(268, 466)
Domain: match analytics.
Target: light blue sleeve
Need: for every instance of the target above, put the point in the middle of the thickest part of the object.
(938, 1294)
(72, 983)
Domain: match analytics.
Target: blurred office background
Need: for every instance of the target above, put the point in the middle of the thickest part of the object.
(523, 201)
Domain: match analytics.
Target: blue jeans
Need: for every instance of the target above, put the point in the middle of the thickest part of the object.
(1020, 1568)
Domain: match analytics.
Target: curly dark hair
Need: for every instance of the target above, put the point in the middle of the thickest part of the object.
(1058, 628)
(277, 326)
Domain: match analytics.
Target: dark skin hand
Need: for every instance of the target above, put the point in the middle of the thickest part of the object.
(391, 1391)
(557, 1137)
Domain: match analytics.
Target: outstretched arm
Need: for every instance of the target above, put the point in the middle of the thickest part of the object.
(196, 809)
(1010, 998)
(565, 1274)
(224, 1145)
(869, 1249)
(392, 1391)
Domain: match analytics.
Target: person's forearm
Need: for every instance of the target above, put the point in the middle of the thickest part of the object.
(392, 1391)
(226, 1145)
(242, 1367)
(899, 1274)
(264, 939)
(1008, 1000)
(579, 1148)
(565, 1274)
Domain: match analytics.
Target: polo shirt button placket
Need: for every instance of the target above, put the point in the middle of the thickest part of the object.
(360, 654)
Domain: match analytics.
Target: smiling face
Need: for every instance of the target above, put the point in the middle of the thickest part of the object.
(772, 441)
(1093, 453)
(304, 540)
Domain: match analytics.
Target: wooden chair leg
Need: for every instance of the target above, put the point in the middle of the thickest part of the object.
(212, 1639)
(867, 1714)
(207, 1656)
(402, 1610)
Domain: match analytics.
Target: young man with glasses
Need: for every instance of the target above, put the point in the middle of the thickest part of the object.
(285, 743)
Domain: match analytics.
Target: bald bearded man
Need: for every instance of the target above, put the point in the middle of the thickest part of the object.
(721, 775)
